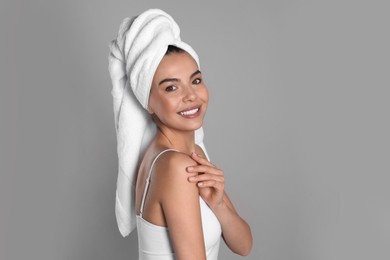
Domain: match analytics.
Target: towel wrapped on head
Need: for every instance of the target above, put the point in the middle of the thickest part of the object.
(135, 54)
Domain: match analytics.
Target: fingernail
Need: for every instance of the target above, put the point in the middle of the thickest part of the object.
(190, 168)
(193, 153)
(192, 178)
(200, 183)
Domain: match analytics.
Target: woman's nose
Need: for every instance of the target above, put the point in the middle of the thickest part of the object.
(190, 94)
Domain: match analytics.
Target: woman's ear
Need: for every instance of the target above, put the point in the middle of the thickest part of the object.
(150, 110)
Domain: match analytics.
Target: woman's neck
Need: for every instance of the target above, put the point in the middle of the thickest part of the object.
(183, 141)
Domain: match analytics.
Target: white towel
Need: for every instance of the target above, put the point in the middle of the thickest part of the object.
(134, 56)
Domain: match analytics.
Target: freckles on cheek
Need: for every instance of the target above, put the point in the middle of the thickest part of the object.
(171, 103)
(165, 105)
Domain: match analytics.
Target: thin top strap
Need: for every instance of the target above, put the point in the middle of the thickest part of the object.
(148, 179)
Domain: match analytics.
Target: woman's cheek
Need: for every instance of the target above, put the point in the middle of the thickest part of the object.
(205, 94)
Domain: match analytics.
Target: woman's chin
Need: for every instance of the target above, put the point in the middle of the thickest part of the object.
(191, 128)
(188, 126)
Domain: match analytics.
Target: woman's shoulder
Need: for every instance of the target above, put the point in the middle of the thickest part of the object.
(170, 177)
(170, 168)
(171, 161)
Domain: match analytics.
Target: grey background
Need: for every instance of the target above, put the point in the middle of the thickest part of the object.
(298, 120)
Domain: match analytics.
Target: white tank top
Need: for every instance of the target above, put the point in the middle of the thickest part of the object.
(154, 242)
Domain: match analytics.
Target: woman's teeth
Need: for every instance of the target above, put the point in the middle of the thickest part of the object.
(189, 112)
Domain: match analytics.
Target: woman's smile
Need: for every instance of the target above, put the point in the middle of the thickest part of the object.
(191, 112)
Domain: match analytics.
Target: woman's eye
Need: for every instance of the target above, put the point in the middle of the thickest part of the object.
(197, 81)
(170, 88)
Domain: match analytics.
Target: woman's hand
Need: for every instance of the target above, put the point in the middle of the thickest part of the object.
(210, 181)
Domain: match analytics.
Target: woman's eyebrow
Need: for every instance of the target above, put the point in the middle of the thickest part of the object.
(195, 73)
(168, 80)
(177, 80)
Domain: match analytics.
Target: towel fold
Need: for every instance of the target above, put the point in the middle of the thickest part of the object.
(135, 54)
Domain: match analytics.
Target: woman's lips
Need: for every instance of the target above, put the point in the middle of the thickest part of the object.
(191, 112)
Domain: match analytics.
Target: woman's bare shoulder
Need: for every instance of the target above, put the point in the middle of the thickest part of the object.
(173, 164)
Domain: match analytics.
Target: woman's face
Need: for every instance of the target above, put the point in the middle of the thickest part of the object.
(178, 96)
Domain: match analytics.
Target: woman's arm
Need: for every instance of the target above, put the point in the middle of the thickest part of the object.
(180, 203)
(236, 232)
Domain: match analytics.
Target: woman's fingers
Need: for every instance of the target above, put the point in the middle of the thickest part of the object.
(207, 177)
(212, 183)
(201, 160)
(204, 168)
(208, 180)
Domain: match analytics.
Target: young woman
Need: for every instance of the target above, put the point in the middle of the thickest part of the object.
(181, 205)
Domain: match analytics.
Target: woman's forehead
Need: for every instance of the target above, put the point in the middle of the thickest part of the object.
(175, 65)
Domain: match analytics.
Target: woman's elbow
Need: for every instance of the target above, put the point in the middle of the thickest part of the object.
(245, 249)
